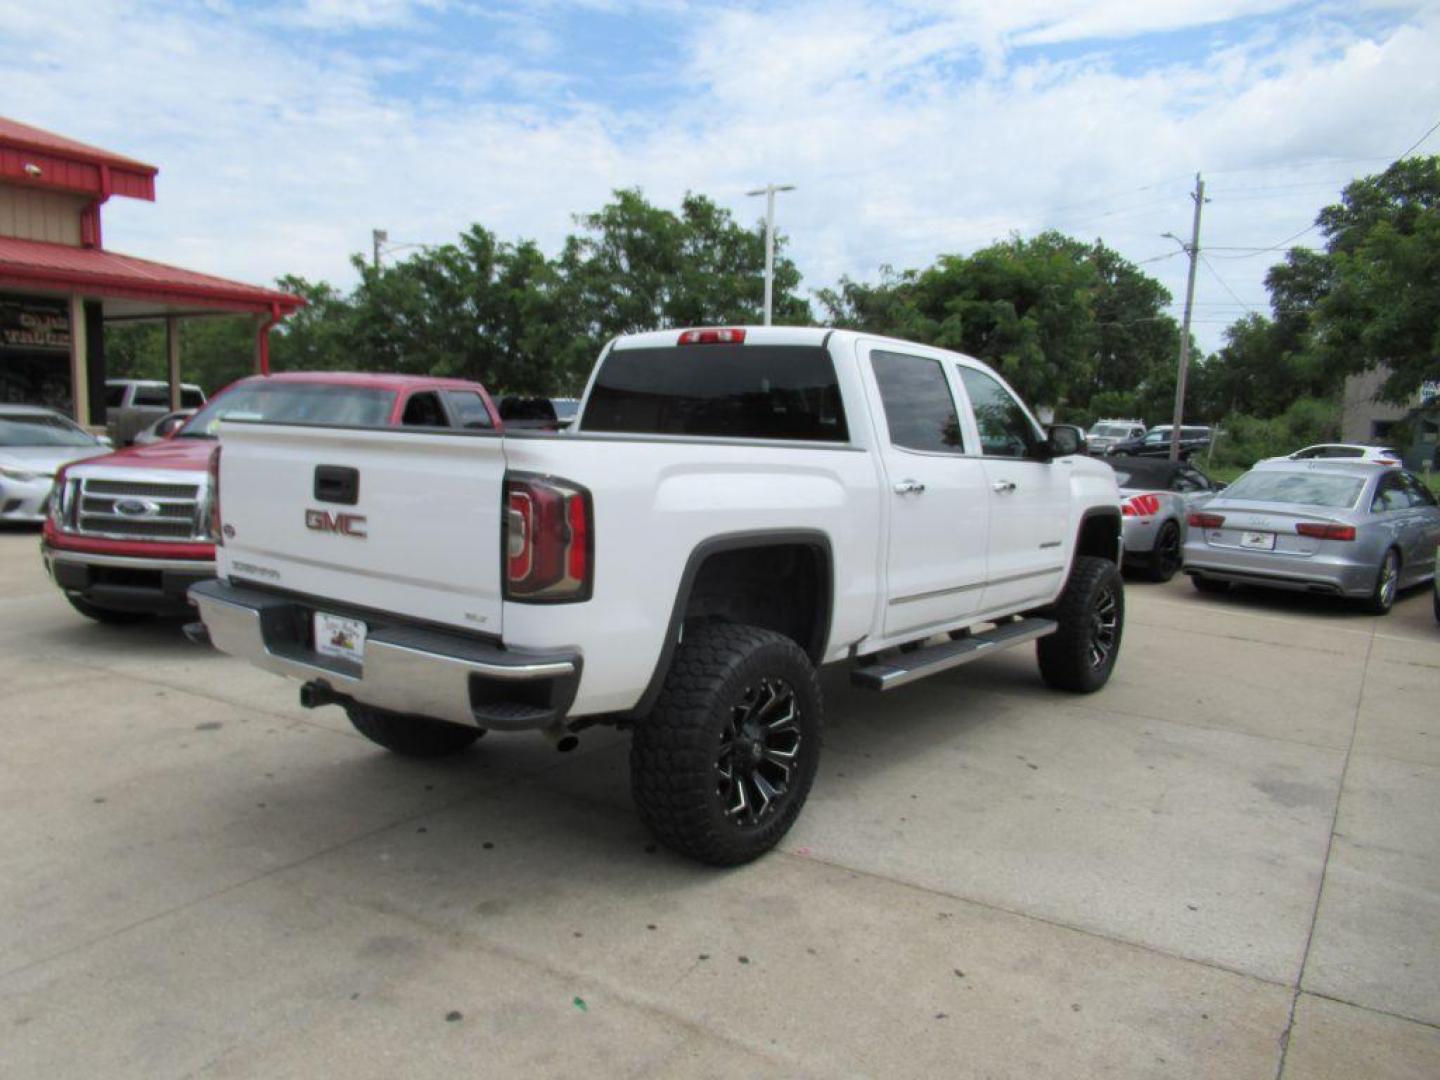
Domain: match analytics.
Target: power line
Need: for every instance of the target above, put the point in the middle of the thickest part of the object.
(1274, 247)
(1225, 285)
(1406, 153)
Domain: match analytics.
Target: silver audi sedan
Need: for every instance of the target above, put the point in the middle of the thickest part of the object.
(1353, 529)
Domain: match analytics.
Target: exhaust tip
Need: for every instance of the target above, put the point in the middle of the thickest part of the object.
(197, 633)
(561, 738)
(315, 694)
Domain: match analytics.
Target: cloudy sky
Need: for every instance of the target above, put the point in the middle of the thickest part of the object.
(286, 132)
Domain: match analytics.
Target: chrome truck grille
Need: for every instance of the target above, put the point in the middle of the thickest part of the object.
(126, 509)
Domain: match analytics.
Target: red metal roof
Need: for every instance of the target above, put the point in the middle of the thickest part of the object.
(31, 155)
(14, 133)
(101, 274)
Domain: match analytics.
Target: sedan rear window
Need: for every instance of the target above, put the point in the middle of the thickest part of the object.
(720, 390)
(1297, 489)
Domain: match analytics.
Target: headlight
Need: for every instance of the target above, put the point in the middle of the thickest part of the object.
(57, 505)
(23, 476)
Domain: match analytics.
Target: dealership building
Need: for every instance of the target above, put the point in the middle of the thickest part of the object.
(60, 287)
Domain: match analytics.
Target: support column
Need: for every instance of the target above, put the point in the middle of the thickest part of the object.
(95, 352)
(79, 362)
(172, 359)
(262, 345)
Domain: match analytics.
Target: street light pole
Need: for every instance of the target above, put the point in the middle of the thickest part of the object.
(377, 237)
(769, 191)
(1193, 250)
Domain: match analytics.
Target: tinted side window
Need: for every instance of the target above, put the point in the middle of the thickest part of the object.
(1420, 495)
(919, 410)
(1390, 494)
(469, 409)
(114, 397)
(191, 399)
(1005, 429)
(423, 410)
(152, 397)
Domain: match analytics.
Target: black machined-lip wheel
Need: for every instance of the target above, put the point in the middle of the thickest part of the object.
(759, 748)
(1104, 627)
(1168, 553)
(724, 762)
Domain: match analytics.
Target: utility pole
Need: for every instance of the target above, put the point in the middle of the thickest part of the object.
(1193, 250)
(377, 237)
(769, 191)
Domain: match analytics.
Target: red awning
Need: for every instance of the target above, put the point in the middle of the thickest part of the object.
(100, 274)
(38, 158)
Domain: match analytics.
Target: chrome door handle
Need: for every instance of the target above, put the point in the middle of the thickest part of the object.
(909, 487)
(1003, 486)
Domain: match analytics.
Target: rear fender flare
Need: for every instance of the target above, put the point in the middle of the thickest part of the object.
(815, 648)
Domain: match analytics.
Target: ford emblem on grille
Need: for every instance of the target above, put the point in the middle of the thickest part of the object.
(136, 507)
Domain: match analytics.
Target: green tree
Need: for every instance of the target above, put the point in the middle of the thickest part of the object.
(1061, 319)
(635, 266)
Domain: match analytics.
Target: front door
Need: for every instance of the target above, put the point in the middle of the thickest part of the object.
(938, 504)
(1029, 498)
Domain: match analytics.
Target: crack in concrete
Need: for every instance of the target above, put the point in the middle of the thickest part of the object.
(1325, 872)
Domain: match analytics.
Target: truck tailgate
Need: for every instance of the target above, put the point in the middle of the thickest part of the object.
(401, 521)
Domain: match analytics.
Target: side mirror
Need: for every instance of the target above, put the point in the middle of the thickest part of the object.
(1064, 440)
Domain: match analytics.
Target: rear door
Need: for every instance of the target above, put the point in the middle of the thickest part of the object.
(938, 506)
(1422, 532)
(1029, 498)
(402, 521)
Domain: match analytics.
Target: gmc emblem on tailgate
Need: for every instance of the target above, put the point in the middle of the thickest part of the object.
(340, 524)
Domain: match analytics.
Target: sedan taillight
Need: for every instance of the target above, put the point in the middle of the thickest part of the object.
(1206, 521)
(1325, 531)
(549, 538)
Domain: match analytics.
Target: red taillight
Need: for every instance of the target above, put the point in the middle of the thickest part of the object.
(549, 540)
(1319, 531)
(1141, 506)
(1206, 521)
(214, 471)
(1386, 461)
(713, 337)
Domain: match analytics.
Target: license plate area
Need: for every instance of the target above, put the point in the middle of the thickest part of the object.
(1258, 541)
(339, 637)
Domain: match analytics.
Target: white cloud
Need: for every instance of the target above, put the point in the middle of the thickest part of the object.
(910, 129)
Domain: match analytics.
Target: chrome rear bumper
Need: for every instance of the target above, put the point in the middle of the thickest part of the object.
(407, 668)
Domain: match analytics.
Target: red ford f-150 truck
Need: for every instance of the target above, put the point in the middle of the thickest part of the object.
(127, 534)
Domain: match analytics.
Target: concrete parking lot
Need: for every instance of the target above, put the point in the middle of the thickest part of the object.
(1227, 864)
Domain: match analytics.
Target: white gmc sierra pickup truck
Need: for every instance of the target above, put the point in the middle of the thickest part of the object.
(733, 509)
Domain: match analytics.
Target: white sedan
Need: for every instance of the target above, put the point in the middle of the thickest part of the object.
(34, 443)
(1380, 455)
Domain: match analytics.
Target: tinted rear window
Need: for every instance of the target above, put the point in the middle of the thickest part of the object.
(1297, 489)
(724, 391)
